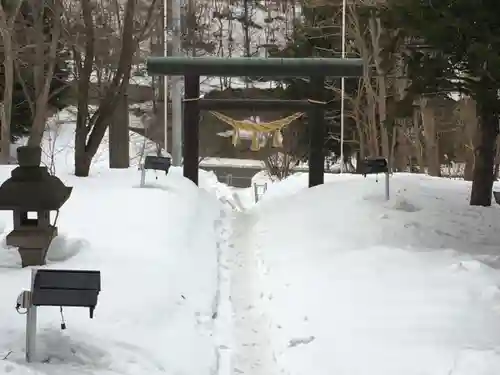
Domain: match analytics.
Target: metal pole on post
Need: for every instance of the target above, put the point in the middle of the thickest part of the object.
(143, 176)
(176, 87)
(165, 78)
(387, 188)
(31, 323)
(342, 89)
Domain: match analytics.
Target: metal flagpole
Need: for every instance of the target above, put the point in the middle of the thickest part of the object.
(176, 87)
(165, 78)
(342, 88)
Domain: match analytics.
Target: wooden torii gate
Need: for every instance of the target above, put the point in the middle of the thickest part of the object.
(316, 69)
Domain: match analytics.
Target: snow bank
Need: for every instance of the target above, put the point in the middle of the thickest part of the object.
(157, 249)
(356, 285)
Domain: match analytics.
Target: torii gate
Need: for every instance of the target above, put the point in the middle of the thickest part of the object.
(314, 68)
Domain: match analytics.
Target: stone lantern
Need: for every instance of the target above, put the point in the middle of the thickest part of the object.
(32, 193)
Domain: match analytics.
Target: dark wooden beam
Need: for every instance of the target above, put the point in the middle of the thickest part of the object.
(255, 66)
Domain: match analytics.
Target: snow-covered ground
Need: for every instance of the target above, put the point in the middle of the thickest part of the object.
(153, 315)
(351, 284)
(329, 280)
(157, 249)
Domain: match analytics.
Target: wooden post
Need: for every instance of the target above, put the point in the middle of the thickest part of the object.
(316, 126)
(191, 126)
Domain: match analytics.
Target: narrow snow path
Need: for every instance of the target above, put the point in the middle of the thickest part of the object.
(252, 350)
(222, 310)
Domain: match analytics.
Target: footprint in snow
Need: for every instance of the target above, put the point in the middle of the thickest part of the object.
(300, 341)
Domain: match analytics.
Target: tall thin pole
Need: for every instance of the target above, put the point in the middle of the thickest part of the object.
(176, 87)
(342, 88)
(31, 315)
(165, 78)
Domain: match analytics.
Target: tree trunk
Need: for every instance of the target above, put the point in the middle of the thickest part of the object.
(385, 127)
(482, 184)
(430, 135)
(374, 144)
(6, 108)
(469, 166)
(419, 152)
(400, 148)
(119, 142)
(467, 115)
(82, 164)
(246, 27)
(44, 72)
(360, 155)
(497, 160)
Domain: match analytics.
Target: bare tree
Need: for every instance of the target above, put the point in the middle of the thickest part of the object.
(366, 43)
(38, 60)
(8, 18)
(280, 164)
(92, 126)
